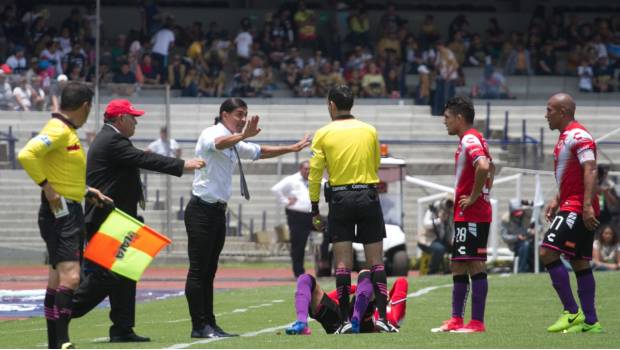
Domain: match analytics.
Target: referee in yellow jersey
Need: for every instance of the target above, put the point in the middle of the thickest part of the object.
(55, 160)
(349, 149)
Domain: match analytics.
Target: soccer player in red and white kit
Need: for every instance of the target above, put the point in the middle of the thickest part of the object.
(573, 215)
(472, 217)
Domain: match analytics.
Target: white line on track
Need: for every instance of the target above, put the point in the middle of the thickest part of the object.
(277, 328)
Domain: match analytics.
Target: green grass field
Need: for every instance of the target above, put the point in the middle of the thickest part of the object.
(519, 308)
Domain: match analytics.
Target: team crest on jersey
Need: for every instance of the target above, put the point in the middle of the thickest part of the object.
(473, 229)
(45, 139)
(75, 147)
(570, 219)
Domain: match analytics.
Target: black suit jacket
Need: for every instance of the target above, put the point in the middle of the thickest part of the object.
(113, 167)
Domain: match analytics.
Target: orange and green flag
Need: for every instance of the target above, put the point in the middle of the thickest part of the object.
(125, 245)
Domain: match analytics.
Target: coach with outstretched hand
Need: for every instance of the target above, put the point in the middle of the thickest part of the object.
(114, 165)
(221, 146)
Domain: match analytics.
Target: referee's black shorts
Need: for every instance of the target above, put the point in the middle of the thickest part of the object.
(64, 237)
(351, 209)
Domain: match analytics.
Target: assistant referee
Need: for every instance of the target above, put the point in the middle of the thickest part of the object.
(349, 149)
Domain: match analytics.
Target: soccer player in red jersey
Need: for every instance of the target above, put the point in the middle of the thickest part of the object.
(472, 217)
(311, 300)
(573, 215)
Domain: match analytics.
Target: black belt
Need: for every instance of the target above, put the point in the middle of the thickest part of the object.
(353, 187)
(216, 205)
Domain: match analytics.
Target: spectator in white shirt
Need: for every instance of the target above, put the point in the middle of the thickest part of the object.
(292, 192)
(244, 42)
(22, 95)
(220, 146)
(53, 53)
(585, 73)
(164, 145)
(162, 41)
(17, 61)
(7, 102)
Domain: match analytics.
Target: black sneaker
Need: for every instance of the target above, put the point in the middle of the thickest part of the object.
(384, 326)
(345, 328)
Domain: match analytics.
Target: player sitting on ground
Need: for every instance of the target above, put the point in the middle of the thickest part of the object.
(311, 300)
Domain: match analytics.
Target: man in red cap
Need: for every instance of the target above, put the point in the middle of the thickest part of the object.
(114, 164)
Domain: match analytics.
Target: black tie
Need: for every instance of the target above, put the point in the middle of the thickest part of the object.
(244, 186)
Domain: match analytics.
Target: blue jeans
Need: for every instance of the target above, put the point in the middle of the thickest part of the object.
(437, 249)
(523, 250)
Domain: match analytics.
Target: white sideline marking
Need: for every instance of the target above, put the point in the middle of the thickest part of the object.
(210, 340)
(427, 290)
(273, 329)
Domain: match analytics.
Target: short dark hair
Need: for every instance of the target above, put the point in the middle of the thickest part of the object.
(342, 97)
(74, 95)
(461, 105)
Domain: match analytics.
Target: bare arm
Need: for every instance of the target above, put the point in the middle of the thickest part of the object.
(274, 151)
(483, 168)
(590, 186)
(552, 207)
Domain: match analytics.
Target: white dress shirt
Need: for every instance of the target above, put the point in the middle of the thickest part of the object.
(166, 148)
(293, 186)
(213, 183)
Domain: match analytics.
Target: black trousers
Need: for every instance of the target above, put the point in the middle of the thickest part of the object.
(206, 233)
(300, 225)
(99, 283)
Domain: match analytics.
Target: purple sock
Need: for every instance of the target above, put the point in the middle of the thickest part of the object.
(363, 294)
(459, 294)
(303, 296)
(561, 283)
(479, 289)
(586, 290)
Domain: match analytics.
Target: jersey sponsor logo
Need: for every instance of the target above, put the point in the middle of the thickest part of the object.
(570, 219)
(45, 139)
(481, 250)
(75, 147)
(569, 244)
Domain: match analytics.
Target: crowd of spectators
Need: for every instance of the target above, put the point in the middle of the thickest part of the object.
(294, 48)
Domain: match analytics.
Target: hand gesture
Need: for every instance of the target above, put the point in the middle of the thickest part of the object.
(589, 219)
(53, 198)
(317, 222)
(97, 198)
(466, 202)
(303, 143)
(251, 128)
(292, 200)
(551, 208)
(193, 164)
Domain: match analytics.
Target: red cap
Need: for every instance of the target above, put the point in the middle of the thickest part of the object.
(6, 69)
(116, 108)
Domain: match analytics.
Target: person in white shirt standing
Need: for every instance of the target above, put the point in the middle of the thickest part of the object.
(162, 41)
(221, 146)
(244, 42)
(164, 145)
(292, 192)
